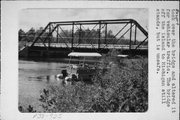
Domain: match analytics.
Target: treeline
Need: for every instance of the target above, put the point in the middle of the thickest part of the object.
(85, 36)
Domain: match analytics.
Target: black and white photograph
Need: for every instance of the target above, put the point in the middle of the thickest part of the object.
(89, 60)
(83, 60)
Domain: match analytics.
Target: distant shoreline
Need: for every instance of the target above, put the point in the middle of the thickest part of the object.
(62, 60)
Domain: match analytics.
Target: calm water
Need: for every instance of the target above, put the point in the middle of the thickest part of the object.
(34, 77)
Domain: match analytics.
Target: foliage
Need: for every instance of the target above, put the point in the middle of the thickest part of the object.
(26, 109)
(84, 36)
(121, 85)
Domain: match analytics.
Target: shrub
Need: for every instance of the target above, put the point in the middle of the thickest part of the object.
(121, 85)
(26, 109)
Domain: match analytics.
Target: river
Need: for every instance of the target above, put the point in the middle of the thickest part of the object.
(34, 77)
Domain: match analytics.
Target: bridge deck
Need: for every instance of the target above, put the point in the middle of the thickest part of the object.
(90, 46)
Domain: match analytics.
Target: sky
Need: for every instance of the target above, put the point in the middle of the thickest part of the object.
(37, 18)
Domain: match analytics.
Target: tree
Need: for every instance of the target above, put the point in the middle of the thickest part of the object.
(38, 31)
(21, 34)
(31, 34)
(31, 31)
(110, 37)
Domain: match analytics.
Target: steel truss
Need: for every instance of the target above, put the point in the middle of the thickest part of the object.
(56, 27)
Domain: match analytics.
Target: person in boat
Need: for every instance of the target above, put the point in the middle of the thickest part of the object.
(63, 74)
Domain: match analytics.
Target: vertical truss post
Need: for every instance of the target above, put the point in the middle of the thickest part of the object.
(72, 41)
(49, 36)
(57, 32)
(99, 39)
(79, 34)
(135, 35)
(106, 35)
(48, 41)
(130, 35)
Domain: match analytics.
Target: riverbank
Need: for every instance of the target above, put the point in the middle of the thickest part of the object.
(64, 60)
(127, 75)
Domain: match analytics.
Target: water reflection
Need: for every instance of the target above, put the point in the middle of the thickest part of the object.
(36, 76)
(53, 79)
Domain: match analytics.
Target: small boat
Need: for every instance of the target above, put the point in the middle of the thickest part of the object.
(84, 71)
